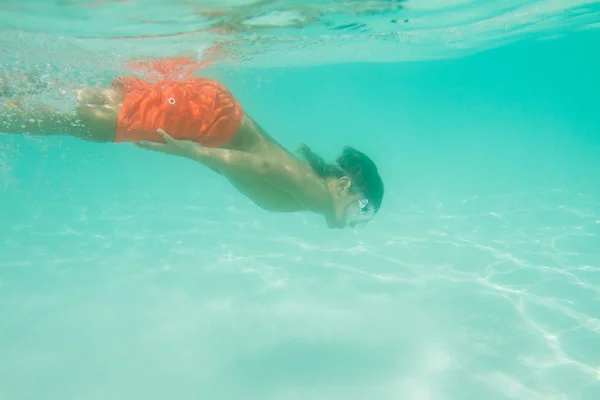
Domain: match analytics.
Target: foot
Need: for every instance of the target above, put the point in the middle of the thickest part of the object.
(14, 84)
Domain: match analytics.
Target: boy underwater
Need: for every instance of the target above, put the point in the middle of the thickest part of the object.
(199, 119)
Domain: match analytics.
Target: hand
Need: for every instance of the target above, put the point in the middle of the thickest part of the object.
(184, 148)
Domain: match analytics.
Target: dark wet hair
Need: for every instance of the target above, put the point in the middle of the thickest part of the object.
(351, 163)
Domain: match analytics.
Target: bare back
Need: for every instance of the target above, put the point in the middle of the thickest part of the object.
(251, 138)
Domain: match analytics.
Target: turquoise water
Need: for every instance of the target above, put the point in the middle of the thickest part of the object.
(126, 274)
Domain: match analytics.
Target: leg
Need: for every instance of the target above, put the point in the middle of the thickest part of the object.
(98, 110)
(95, 118)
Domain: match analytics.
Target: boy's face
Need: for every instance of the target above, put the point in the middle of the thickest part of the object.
(342, 199)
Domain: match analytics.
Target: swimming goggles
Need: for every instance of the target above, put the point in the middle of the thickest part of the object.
(359, 212)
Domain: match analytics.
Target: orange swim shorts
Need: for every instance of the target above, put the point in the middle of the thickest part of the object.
(197, 109)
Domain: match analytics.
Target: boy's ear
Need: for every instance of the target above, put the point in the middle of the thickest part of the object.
(344, 184)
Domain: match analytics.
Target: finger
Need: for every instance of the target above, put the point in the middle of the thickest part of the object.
(165, 136)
